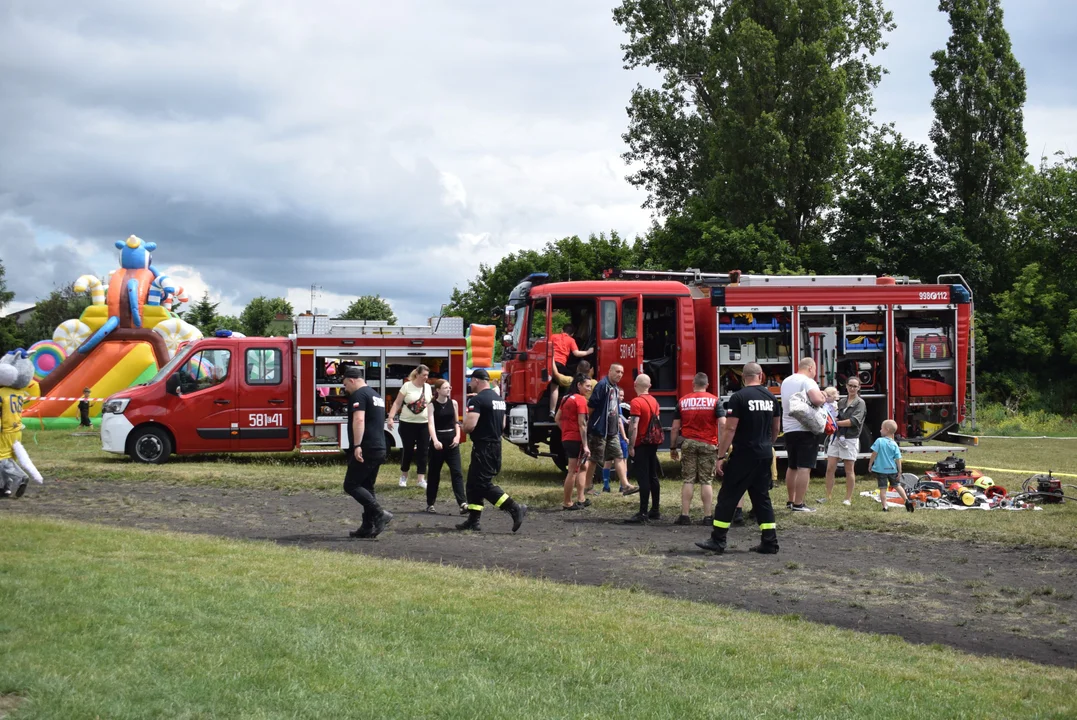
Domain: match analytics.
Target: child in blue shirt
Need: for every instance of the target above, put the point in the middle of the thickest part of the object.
(886, 464)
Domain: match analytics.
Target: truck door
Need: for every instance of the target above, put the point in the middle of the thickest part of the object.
(630, 345)
(266, 412)
(208, 393)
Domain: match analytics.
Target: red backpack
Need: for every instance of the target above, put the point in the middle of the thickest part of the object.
(654, 435)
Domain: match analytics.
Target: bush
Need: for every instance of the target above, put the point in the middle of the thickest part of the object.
(1000, 419)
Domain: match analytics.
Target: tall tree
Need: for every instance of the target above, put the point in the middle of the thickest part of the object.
(566, 259)
(894, 216)
(203, 315)
(9, 332)
(261, 311)
(759, 105)
(60, 305)
(369, 307)
(978, 130)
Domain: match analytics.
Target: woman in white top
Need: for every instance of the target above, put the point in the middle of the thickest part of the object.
(411, 405)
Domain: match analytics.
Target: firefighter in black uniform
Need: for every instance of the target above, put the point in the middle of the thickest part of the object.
(484, 423)
(366, 450)
(751, 427)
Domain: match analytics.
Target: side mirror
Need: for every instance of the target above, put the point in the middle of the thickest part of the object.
(172, 385)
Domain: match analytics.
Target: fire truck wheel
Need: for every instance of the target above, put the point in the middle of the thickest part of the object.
(151, 445)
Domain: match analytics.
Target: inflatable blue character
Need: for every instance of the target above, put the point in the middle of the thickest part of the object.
(129, 290)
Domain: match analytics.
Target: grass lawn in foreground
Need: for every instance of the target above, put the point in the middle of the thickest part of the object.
(114, 623)
(60, 454)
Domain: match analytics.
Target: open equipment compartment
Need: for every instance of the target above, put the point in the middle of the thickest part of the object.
(759, 334)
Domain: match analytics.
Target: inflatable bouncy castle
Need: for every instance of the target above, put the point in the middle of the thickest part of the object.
(480, 350)
(122, 339)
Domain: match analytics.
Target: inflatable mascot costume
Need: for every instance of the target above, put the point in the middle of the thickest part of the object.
(16, 374)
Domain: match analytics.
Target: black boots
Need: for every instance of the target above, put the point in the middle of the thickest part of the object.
(769, 544)
(518, 512)
(472, 522)
(715, 543)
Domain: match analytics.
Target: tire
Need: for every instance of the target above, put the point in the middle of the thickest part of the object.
(150, 445)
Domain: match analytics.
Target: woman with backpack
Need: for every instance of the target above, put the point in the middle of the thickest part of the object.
(410, 404)
(645, 434)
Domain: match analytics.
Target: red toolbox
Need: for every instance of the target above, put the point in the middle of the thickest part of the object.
(921, 387)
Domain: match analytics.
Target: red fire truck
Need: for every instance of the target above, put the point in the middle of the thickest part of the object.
(910, 344)
(245, 394)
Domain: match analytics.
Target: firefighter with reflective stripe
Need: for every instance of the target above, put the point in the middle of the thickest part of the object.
(751, 427)
(485, 423)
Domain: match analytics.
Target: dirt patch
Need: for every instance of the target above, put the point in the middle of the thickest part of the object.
(10, 703)
(1016, 602)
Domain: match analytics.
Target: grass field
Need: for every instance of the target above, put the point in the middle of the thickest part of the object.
(116, 623)
(59, 454)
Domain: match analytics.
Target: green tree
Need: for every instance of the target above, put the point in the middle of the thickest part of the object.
(230, 322)
(978, 130)
(369, 307)
(10, 337)
(203, 315)
(759, 106)
(894, 217)
(60, 305)
(569, 258)
(260, 312)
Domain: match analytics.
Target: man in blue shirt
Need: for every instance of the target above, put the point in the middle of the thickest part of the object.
(604, 428)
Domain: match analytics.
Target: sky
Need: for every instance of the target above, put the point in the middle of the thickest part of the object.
(365, 148)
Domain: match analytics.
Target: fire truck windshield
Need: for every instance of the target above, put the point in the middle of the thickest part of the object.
(170, 366)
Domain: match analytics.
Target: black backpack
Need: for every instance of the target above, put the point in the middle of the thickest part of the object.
(654, 435)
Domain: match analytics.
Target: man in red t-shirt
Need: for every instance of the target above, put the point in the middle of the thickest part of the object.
(642, 409)
(695, 425)
(563, 345)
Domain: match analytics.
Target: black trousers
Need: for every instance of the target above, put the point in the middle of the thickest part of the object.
(485, 466)
(646, 468)
(415, 438)
(445, 456)
(745, 474)
(359, 483)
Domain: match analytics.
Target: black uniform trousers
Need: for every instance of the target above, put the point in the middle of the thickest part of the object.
(445, 456)
(485, 466)
(744, 473)
(646, 468)
(359, 482)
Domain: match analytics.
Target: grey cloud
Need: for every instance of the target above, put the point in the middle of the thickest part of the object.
(32, 271)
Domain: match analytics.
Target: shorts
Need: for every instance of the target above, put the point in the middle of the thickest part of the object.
(802, 448)
(572, 449)
(604, 449)
(842, 448)
(886, 479)
(698, 461)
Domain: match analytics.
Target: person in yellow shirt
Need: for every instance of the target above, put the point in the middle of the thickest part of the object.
(16, 373)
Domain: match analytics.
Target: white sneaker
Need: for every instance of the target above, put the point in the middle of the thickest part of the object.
(422, 484)
(403, 481)
(802, 508)
(846, 502)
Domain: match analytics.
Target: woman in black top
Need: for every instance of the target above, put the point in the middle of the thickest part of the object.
(443, 421)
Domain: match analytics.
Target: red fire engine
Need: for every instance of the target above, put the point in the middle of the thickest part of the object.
(910, 344)
(240, 394)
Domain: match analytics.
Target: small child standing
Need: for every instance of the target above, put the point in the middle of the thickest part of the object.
(831, 403)
(84, 409)
(885, 462)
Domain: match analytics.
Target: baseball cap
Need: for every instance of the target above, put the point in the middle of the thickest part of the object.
(354, 372)
(480, 374)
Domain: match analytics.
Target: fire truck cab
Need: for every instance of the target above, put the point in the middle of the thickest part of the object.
(910, 344)
(246, 394)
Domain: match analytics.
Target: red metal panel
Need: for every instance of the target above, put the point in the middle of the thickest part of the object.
(837, 295)
(379, 341)
(612, 288)
(961, 355)
(305, 383)
(686, 353)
